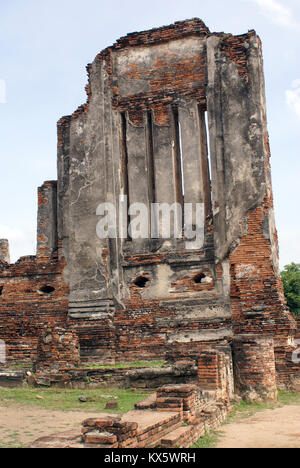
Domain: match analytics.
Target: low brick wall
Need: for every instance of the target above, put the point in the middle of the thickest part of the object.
(178, 418)
(146, 377)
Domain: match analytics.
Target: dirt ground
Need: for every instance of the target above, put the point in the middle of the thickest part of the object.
(278, 428)
(20, 426)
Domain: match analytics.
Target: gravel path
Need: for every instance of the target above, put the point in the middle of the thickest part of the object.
(278, 428)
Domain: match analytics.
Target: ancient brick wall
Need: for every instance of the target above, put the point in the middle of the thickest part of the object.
(57, 348)
(97, 340)
(175, 114)
(33, 294)
(257, 298)
(256, 290)
(254, 367)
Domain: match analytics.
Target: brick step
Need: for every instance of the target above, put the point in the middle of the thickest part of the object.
(183, 436)
(152, 426)
(148, 403)
(156, 441)
(176, 437)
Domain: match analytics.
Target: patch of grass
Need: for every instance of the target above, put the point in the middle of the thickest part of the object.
(209, 440)
(67, 400)
(246, 409)
(288, 398)
(126, 365)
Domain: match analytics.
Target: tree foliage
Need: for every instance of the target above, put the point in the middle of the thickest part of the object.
(291, 283)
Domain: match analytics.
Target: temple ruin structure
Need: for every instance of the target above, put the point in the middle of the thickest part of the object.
(175, 114)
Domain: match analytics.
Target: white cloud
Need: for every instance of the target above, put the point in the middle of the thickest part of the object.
(293, 97)
(276, 12)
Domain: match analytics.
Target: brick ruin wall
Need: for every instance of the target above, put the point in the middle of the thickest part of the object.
(254, 370)
(27, 305)
(242, 292)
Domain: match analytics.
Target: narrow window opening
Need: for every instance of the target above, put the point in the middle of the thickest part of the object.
(124, 164)
(205, 159)
(181, 158)
(178, 160)
(1, 290)
(47, 289)
(207, 144)
(199, 278)
(150, 151)
(150, 166)
(141, 281)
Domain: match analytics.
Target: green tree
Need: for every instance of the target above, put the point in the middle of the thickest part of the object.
(291, 283)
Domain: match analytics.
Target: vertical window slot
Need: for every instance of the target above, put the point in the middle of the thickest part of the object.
(205, 164)
(207, 144)
(150, 166)
(178, 161)
(150, 157)
(124, 163)
(124, 152)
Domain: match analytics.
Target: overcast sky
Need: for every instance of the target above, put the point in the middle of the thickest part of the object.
(45, 46)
